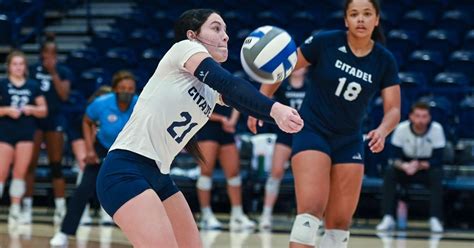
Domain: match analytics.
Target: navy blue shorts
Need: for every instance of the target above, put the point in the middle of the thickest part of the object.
(340, 148)
(52, 123)
(212, 131)
(284, 138)
(125, 174)
(16, 134)
(74, 128)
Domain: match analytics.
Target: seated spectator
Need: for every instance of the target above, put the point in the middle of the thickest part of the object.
(418, 145)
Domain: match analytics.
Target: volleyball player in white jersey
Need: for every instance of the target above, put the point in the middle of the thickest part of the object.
(134, 185)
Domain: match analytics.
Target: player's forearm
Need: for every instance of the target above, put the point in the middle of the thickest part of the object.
(40, 111)
(234, 116)
(216, 117)
(62, 86)
(390, 120)
(251, 112)
(4, 111)
(233, 89)
(88, 131)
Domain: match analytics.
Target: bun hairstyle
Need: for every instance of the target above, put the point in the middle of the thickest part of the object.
(48, 40)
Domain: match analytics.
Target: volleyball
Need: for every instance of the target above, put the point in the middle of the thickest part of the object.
(268, 54)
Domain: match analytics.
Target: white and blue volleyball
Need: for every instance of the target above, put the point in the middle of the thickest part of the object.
(268, 55)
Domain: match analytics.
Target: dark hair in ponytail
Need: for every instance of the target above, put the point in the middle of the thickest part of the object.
(191, 20)
(377, 34)
(192, 147)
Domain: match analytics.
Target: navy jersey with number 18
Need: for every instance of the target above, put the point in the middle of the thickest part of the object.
(343, 84)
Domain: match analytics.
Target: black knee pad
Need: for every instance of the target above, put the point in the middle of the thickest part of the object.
(56, 170)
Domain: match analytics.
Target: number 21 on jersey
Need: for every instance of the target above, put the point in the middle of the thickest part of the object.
(182, 123)
(351, 92)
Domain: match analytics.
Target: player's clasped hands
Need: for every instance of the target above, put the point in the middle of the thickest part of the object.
(228, 125)
(286, 118)
(14, 113)
(27, 110)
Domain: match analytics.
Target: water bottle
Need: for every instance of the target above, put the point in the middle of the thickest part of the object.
(261, 165)
(402, 214)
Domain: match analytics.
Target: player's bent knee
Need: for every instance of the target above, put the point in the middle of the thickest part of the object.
(204, 183)
(305, 229)
(234, 181)
(56, 170)
(17, 188)
(340, 223)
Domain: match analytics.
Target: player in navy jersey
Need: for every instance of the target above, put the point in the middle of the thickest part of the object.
(134, 185)
(291, 92)
(216, 141)
(107, 114)
(55, 80)
(20, 102)
(347, 69)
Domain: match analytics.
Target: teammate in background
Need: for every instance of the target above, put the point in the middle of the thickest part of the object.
(347, 69)
(291, 93)
(20, 101)
(55, 80)
(134, 185)
(216, 141)
(107, 114)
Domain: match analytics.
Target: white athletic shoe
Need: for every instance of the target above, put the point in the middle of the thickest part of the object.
(265, 223)
(387, 238)
(435, 225)
(387, 223)
(210, 223)
(59, 214)
(241, 223)
(106, 220)
(14, 214)
(26, 216)
(59, 239)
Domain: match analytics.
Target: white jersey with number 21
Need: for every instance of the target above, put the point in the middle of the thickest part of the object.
(172, 107)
